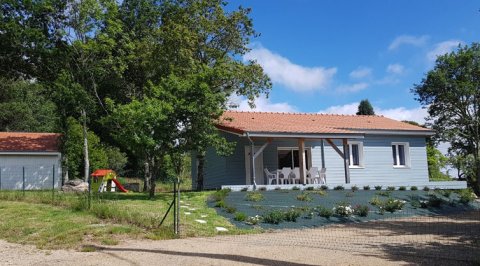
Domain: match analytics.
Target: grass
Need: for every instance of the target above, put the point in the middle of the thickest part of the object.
(66, 222)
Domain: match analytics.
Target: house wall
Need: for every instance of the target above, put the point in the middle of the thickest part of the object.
(38, 171)
(377, 167)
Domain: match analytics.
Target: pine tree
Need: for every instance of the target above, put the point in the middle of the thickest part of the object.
(365, 108)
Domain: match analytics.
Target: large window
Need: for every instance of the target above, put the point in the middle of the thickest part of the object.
(355, 149)
(400, 153)
(288, 157)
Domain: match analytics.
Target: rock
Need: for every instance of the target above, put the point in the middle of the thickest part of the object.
(76, 185)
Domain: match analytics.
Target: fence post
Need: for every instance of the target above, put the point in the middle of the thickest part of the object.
(0, 178)
(175, 207)
(89, 192)
(53, 184)
(178, 206)
(23, 180)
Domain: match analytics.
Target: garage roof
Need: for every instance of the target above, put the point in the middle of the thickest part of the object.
(29, 142)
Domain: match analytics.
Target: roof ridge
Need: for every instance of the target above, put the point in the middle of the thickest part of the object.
(299, 113)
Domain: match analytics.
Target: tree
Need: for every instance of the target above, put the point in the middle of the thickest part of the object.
(451, 91)
(365, 108)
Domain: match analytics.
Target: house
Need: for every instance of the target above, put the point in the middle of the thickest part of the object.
(30, 160)
(354, 150)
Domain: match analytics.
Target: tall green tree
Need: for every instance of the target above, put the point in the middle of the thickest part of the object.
(365, 108)
(451, 91)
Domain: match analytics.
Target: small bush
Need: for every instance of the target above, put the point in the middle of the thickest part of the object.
(465, 196)
(340, 187)
(391, 188)
(361, 210)
(278, 188)
(378, 187)
(354, 188)
(445, 193)
(383, 193)
(230, 209)
(375, 201)
(253, 220)
(434, 201)
(402, 188)
(295, 188)
(220, 204)
(426, 188)
(291, 215)
(240, 216)
(324, 187)
(321, 193)
(309, 188)
(254, 196)
(325, 212)
(393, 205)
(413, 188)
(262, 189)
(244, 189)
(304, 197)
(273, 217)
(343, 209)
(366, 187)
(220, 194)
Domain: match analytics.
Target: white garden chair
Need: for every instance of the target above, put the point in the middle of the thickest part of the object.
(295, 177)
(285, 174)
(271, 176)
(323, 176)
(312, 175)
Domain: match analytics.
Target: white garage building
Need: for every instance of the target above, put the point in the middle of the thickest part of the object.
(30, 161)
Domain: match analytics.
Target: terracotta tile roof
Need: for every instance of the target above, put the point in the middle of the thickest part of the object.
(309, 123)
(34, 142)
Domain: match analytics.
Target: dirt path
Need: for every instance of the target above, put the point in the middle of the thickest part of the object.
(421, 240)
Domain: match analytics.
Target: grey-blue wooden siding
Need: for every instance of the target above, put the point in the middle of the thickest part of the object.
(377, 165)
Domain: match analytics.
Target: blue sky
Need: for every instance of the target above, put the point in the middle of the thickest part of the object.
(326, 56)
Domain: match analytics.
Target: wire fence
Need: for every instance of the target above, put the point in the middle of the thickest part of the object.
(30, 177)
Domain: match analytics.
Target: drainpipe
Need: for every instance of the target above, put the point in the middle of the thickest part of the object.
(252, 162)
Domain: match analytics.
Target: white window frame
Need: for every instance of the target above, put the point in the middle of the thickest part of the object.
(360, 154)
(407, 154)
(308, 149)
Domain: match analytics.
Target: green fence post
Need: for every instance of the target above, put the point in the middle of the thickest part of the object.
(175, 207)
(23, 179)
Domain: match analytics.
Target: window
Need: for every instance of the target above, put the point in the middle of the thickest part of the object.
(355, 149)
(400, 154)
(288, 157)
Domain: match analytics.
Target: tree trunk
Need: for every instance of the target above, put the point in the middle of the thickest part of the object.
(85, 147)
(153, 177)
(476, 183)
(65, 173)
(200, 171)
(147, 177)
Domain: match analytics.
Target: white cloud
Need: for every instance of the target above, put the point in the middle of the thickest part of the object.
(352, 87)
(409, 40)
(395, 69)
(361, 72)
(292, 76)
(262, 104)
(400, 113)
(442, 48)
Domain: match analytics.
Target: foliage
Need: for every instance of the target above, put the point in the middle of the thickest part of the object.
(324, 187)
(291, 215)
(391, 188)
(273, 217)
(254, 196)
(310, 188)
(325, 212)
(343, 209)
(378, 187)
(354, 188)
(295, 188)
(434, 201)
(116, 159)
(413, 188)
(436, 161)
(230, 209)
(253, 220)
(361, 210)
(426, 188)
(384, 193)
(240, 216)
(450, 91)
(465, 196)
(366, 187)
(304, 196)
(220, 194)
(392, 205)
(402, 188)
(339, 187)
(375, 201)
(365, 108)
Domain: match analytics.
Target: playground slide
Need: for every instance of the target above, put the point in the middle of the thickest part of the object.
(119, 186)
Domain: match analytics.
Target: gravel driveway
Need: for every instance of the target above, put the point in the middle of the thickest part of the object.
(440, 240)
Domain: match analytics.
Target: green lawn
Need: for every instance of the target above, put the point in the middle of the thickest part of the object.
(34, 218)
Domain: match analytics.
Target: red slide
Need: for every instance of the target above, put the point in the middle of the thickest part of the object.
(119, 186)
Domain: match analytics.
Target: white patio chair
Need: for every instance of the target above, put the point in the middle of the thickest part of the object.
(285, 174)
(323, 176)
(271, 176)
(312, 175)
(295, 177)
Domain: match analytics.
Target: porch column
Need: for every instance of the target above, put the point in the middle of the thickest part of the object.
(301, 159)
(346, 161)
(322, 145)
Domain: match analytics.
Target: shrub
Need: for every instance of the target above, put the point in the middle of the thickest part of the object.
(340, 187)
(321, 192)
(325, 212)
(354, 188)
(361, 210)
(465, 196)
(304, 196)
(383, 193)
(343, 209)
(309, 215)
(445, 193)
(253, 220)
(244, 189)
(240, 216)
(392, 205)
(262, 188)
(434, 201)
(220, 204)
(366, 187)
(426, 188)
(391, 188)
(254, 196)
(291, 215)
(402, 188)
(230, 209)
(278, 188)
(295, 188)
(375, 201)
(220, 194)
(273, 217)
(324, 187)
(378, 187)
(413, 188)
(309, 188)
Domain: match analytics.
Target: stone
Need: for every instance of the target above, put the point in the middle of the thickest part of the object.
(201, 221)
(76, 185)
(221, 229)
